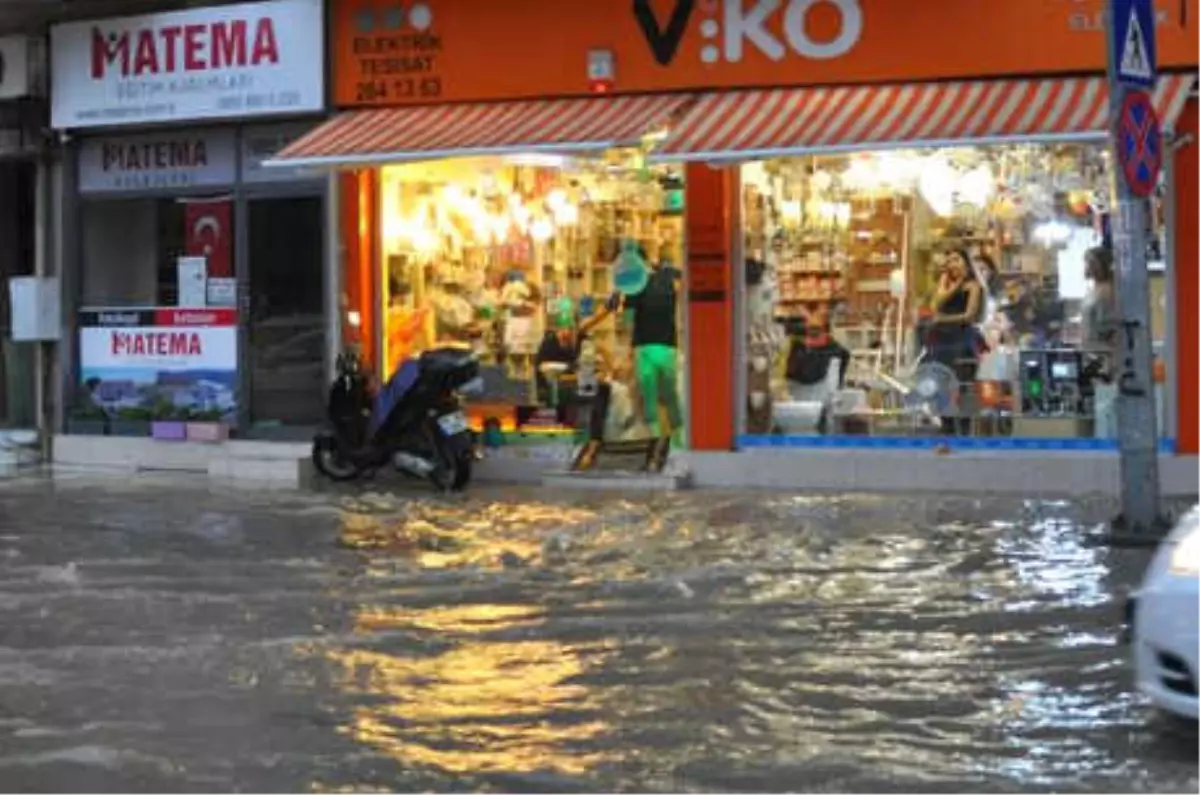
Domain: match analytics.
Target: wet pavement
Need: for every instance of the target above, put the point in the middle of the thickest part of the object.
(166, 637)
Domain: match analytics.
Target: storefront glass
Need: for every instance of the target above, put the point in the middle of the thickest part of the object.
(916, 295)
(201, 292)
(131, 249)
(516, 257)
(158, 324)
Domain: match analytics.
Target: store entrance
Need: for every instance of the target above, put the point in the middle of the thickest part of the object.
(17, 188)
(286, 331)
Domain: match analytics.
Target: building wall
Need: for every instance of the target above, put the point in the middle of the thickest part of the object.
(1187, 282)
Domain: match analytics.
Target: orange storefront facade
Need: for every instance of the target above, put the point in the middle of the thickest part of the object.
(743, 98)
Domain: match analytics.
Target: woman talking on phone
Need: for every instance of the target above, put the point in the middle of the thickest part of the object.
(958, 305)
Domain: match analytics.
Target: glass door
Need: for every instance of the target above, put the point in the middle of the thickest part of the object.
(286, 314)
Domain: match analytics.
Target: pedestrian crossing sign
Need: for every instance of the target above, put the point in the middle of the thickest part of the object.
(1132, 39)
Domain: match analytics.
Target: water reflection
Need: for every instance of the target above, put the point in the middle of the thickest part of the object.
(449, 686)
(723, 644)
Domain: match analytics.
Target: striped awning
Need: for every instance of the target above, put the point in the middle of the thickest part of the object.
(762, 123)
(372, 137)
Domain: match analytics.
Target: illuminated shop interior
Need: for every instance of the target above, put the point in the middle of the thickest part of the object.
(496, 253)
(845, 256)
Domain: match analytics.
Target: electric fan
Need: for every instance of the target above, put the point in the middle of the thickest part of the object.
(933, 391)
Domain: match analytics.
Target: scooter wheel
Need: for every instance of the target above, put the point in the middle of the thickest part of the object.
(462, 470)
(329, 461)
(455, 473)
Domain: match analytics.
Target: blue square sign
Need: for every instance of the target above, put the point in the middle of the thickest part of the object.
(1131, 41)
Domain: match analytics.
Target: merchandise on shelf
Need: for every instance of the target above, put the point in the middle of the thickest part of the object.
(859, 247)
(500, 255)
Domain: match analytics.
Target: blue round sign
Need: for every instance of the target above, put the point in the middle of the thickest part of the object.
(1139, 143)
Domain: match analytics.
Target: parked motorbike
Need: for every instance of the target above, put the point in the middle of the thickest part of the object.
(415, 422)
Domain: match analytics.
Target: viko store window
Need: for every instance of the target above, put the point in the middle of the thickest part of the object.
(962, 292)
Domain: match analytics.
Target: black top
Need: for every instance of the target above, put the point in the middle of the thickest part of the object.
(958, 301)
(654, 310)
(809, 359)
(553, 350)
(955, 304)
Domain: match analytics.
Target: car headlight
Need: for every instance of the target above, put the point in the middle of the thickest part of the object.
(1185, 557)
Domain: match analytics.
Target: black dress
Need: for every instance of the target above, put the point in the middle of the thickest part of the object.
(953, 343)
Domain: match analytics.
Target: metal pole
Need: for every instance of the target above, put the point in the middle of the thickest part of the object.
(1136, 424)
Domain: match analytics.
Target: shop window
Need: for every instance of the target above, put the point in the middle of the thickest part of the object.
(130, 252)
(932, 294)
(514, 257)
(157, 327)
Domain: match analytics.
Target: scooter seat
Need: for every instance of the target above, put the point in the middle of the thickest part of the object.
(446, 358)
(394, 391)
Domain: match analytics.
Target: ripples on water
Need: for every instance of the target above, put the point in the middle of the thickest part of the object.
(698, 641)
(742, 643)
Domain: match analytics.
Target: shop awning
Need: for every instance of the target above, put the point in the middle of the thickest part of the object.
(372, 137)
(764, 123)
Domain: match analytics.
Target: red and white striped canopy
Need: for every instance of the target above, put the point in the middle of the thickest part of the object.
(798, 120)
(366, 137)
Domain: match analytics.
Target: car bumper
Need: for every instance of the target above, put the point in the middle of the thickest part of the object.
(1165, 639)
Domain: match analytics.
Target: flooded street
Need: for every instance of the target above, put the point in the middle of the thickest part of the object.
(166, 637)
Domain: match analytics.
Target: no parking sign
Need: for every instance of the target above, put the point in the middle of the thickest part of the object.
(1139, 143)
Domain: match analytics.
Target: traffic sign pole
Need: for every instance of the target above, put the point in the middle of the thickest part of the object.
(1135, 164)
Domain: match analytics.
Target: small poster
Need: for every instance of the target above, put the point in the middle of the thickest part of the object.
(193, 282)
(222, 292)
(148, 359)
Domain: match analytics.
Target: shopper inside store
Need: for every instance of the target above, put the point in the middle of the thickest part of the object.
(961, 292)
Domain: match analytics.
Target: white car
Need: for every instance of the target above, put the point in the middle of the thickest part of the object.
(1165, 616)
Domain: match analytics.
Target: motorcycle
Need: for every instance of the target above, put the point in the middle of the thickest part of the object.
(415, 422)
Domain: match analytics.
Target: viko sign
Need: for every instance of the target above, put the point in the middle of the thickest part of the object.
(730, 28)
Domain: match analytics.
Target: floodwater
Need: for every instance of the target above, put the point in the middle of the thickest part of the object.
(156, 635)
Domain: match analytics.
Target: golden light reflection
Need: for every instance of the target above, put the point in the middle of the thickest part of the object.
(458, 618)
(437, 536)
(481, 706)
(490, 702)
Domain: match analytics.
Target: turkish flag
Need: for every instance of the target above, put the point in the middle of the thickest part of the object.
(209, 233)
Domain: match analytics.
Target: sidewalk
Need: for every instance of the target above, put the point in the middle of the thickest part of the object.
(881, 471)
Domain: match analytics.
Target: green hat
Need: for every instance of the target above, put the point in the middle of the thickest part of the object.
(564, 316)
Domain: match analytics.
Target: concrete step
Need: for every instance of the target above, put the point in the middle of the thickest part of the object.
(19, 448)
(616, 480)
(275, 462)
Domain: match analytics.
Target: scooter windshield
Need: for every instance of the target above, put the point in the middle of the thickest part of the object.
(393, 392)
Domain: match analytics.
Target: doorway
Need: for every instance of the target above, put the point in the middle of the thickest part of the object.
(18, 180)
(286, 316)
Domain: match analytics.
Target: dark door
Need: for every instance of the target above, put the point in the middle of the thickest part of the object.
(17, 189)
(286, 332)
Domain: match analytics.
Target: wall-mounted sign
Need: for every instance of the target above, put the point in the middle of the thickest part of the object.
(261, 143)
(396, 52)
(251, 59)
(158, 161)
(145, 358)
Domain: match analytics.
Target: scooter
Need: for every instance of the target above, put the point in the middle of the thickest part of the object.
(415, 422)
